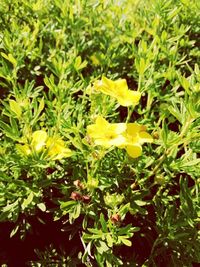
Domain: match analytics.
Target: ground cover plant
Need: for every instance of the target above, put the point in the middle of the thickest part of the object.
(99, 131)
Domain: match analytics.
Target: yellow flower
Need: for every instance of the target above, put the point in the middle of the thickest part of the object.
(38, 140)
(135, 136)
(119, 90)
(129, 136)
(56, 148)
(106, 134)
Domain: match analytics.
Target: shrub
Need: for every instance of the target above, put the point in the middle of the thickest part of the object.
(100, 106)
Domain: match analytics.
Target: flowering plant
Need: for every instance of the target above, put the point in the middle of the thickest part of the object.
(99, 133)
(123, 135)
(52, 147)
(119, 90)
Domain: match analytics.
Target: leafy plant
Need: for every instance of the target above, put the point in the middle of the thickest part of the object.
(99, 121)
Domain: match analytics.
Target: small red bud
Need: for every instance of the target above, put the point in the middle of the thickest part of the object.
(115, 218)
(76, 196)
(86, 199)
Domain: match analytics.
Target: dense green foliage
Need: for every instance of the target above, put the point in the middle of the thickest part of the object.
(113, 210)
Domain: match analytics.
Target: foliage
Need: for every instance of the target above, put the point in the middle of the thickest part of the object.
(83, 85)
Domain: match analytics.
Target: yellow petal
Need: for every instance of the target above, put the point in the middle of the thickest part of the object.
(38, 139)
(108, 142)
(101, 122)
(130, 98)
(121, 85)
(118, 141)
(133, 129)
(107, 134)
(105, 86)
(108, 83)
(56, 148)
(97, 130)
(134, 96)
(134, 151)
(64, 153)
(118, 128)
(145, 137)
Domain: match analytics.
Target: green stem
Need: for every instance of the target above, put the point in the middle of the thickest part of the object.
(130, 110)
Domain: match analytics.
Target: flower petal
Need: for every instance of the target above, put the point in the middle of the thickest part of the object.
(101, 122)
(129, 98)
(118, 128)
(145, 137)
(133, 128)
(98, 129)
(38, 139)
(121, 85)
(105, 86)
(57, 149)
(134, 151)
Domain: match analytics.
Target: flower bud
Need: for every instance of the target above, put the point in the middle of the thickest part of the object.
(76, 196)
(86, 199)
(115, 218)
(155, 135)
(78, 184)
(134, 186)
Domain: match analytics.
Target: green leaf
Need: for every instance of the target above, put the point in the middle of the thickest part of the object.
(74, 213)
(10, 58)
(175, 112)
(103, 223)
(15, 107)
(125, 230)
(27, 201)
(109, 240)
(41, 106)
(102, 247)
(140, 202)
(14, 126)
(164, 133)
(125, 241)
(124, 209)
(41, 206)
(95, 231)
(8, 131)
(67, 205)
(14, 230)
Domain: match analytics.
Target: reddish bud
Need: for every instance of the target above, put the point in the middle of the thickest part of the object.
(76, 196)
(78, 184)
(86, 199)
(115, 218)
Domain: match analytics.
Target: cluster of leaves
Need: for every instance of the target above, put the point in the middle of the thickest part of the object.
(51, 52)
